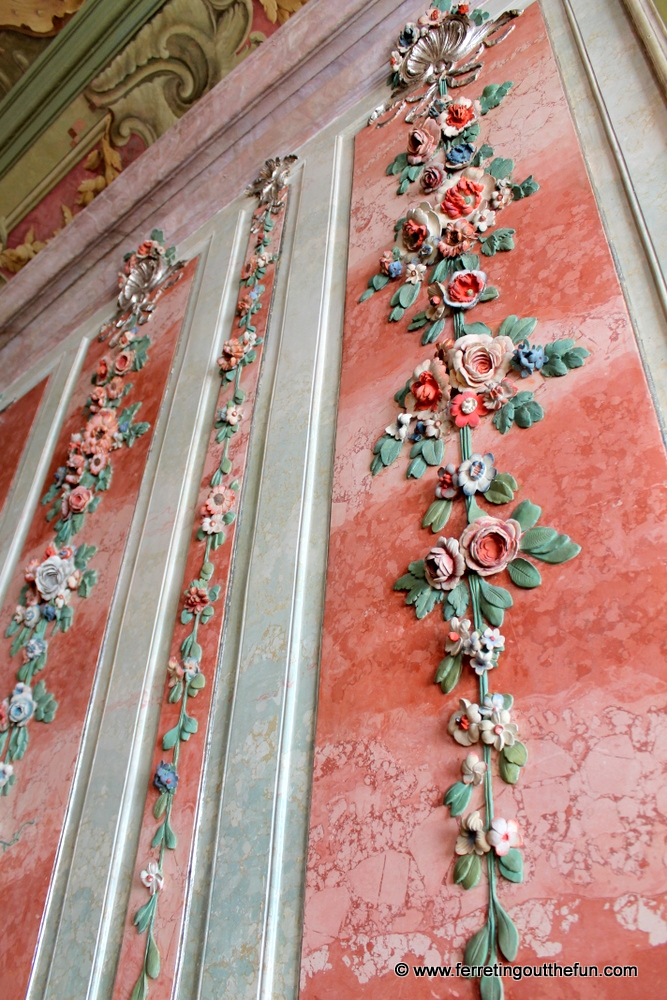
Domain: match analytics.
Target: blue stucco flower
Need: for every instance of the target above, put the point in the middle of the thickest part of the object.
(59, 475)
(21, 705)
(395, 269)
(436, 108)
(48, 612)
(166, 778)
(409, 35)
(476, 474)
(31, 615)
(461, 155)
(34, 648)
(527, 359)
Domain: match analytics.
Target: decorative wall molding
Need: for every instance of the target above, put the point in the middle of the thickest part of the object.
(86, 44)
(653, 33)
(177, 57)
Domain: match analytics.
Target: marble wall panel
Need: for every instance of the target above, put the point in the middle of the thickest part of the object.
(585, 651)
(15, 424)
(33, 813)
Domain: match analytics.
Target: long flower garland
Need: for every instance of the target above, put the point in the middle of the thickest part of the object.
(471, 377)
(185, 675)
(51, 583)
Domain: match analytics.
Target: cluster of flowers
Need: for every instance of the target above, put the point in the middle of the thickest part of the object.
(219, 502)
(50, 584)
(486, 546)
(490, 722)
(465, 381)
(502, 835)
(17, 710)
(236, 349)
(482, 647)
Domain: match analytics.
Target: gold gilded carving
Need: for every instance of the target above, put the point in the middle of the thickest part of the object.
(39, 17)
(174, 60)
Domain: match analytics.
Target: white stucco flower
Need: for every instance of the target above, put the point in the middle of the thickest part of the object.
(503, 835)
(459, 632)
(498, 730)
(464, 724)
(472, 839)
(152, 877)
(400, 428)
(473, 770)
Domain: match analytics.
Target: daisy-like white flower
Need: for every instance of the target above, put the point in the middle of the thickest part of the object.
(152, 877)
(459, 633)
(498, 729)
(472, 839)
(400, 428)
(414, 273)
(503, 835)
(473, 770)
(464, 724)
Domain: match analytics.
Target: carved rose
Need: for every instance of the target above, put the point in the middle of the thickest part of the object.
(477, 359)
(123, 362)
(489, 544)
(465, 289)
(432, 178)
(426, 391)
(115, 388)
(444, 565)
(79, 499)
(457, 238)
(103, 370)
(196, 599)
(420, 232)
(422, 142)
(98, 399)
(51, 576)
(458, 115)
(232, 352)
(463, 198)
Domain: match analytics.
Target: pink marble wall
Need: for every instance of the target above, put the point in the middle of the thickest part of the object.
(32, 814)
(15, 424)
(585, 651)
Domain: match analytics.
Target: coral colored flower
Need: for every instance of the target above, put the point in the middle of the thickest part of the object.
(423, 142)
(464, 289)
(98, 462)
(420, 232)
(98, 399)
(196, 599)
(432, 178)
(460, 113)
(99, 432)
(115, 388)
(477, 359)
(472, 839)
(464, 724)
(123, 363)
(457, 238)
(219, 501)
(443, 565)
(473, 770)
(232, 352)
(503, 835)
(466, 408)
(103, 370)
(463, 198)
(244, 305)
(414, 234)
(497, 394)
(426, 391)
(79, 499)
(149, 248)
(489, 544)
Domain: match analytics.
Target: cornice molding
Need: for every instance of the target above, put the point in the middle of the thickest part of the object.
(76, 55)
(325, 59)
(652, 31)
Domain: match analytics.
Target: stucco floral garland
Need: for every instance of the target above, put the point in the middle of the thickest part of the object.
(186, 677)
(53, 582)
(472, 376)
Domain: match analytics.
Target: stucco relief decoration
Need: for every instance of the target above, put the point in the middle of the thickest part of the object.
(55, 582)
(445, 243)
(185, 672)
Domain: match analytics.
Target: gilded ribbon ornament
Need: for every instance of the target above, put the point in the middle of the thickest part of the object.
(474, 374)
